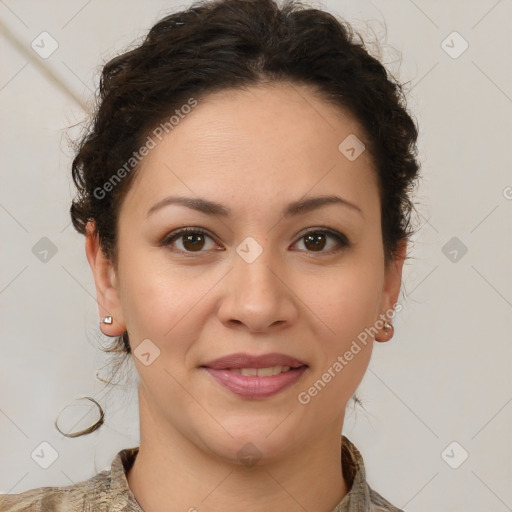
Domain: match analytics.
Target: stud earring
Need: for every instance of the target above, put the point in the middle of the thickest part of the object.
(106, 320)
(388, 332)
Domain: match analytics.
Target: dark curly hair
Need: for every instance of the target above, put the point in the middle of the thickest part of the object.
(223, 44)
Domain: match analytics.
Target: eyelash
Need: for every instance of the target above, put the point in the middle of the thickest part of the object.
(339, 237)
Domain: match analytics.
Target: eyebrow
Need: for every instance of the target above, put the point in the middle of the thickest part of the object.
(213, 208)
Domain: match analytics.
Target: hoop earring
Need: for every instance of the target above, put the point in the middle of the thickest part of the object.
(88, 430)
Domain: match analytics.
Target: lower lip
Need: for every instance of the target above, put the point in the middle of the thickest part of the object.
(252, 386)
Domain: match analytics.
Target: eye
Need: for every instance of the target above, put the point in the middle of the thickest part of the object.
(315, 240)
(192, 240)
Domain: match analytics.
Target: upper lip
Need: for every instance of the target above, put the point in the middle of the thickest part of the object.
(240, 360)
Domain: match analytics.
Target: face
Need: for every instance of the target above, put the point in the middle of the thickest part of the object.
(257, 274)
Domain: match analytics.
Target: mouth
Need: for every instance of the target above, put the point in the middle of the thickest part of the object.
(240, 361)
(261, 372)
(256, 376)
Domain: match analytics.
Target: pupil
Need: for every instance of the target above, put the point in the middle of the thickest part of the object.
(318, 244)
(193, 240)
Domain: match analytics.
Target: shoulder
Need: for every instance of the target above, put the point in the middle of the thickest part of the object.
(380, 504)
(361, 496)
(91, 494)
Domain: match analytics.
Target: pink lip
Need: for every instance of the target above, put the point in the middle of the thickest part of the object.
(252, 386)
(240, 360)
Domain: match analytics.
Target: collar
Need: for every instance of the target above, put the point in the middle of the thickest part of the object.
(357, 499)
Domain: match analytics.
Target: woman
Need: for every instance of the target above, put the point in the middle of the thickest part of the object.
(244, 192)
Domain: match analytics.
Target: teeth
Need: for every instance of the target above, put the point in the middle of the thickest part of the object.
(261, 372)
(248, 371)
(267, 372)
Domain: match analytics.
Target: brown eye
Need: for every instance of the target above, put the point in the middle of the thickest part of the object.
(192, 240)
(195, 240)
(317, 240)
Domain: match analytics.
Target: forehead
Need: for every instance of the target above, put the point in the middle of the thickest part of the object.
(255, 143)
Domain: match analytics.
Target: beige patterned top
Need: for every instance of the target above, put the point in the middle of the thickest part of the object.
(108, 491)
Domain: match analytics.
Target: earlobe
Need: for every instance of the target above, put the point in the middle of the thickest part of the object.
(391, 290)
(105, 279)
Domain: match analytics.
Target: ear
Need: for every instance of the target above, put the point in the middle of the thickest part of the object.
(391, 289)
(105, 278)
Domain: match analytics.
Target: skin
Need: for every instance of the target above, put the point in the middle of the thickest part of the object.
(254, 151)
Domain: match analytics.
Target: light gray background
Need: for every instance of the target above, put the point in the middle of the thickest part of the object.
(444, 377)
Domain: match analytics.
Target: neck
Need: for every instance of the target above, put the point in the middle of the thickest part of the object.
(172, 473)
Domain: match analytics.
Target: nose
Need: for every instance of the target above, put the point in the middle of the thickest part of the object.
(258, 295)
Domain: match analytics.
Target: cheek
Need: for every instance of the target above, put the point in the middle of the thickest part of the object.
(346, 307)
(345, 301)
(159, 299)
(148, 301)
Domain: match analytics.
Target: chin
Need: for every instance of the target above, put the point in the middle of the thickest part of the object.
(253, 441)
